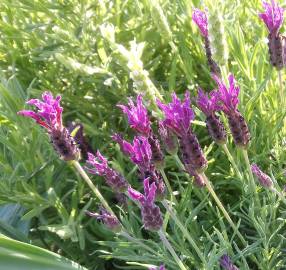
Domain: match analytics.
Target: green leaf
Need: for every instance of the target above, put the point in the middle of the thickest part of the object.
(15, 255)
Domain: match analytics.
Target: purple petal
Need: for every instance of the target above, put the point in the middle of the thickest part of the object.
(200, 18)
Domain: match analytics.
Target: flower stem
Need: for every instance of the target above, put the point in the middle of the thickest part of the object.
(167, 244)
(179, 162)
(173, 199)
(220, 205)
(230, 158)
(281, 87)
(280, 195)
(252, 182)
(97, 193)
(184, 231)
(130, 238)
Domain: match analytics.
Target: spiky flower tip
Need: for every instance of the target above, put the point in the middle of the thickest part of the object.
(137, 115)
(109, 220)
(263, 178)
(178, 117)
(201, 19)
(49, 116)
(178, 114)
(209, 106)
(99, 165)
(140, 153)
(168, 138)
(225, 263)
(273, 19)
(228, 97)
(151, 214)
(162, 267)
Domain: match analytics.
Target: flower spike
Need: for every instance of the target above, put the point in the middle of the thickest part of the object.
(226, 263)
(178, 114)
(272, 16)
(49, 116)
(137, 116)
(98, 165)
(263, 178)
(201, 20)
(151, 214)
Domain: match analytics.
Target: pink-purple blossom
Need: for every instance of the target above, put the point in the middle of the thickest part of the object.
(49, 111)
(151, 214)
(139, 152)
(137, 115)
(272, 16)
(109, 220)
(178, 114)
(99, 165)
(200, 18)
(226, 263)
(262, 177)
(208, 104)
(228, 95)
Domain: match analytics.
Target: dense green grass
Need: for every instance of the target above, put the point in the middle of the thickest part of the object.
(60, 46)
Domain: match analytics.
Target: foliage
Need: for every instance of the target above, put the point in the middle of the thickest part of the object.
(69, 48)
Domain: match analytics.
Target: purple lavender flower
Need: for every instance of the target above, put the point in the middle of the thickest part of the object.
(226, 263)
(110, 221)
(137, 116)
(209, 106)
(140, 154)
(263, 178)
(99, 165)
(151, 214)
(201, 20)
(49, 116)
(229, 100)
(273, 16)
(162, 267)
(169, 139)
(273, 19)
(178, 115)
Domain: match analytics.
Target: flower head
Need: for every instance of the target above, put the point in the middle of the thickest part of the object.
(99, 165)
(150, 212)
(137, 116)
(208, 104)
(49, 116)
(178, 115)
(263, 178)
(272, 16)
(226, 263)
(200, 18)
(228, 95)
(110, 221)
(140, 152)
(49, 112)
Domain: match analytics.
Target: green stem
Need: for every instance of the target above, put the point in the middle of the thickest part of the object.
(184, 231)
(179, 162)
(220, 205)
(280, 195)
(230, 158)
(252, 182)
(281, 88)
(173, 199)
(167, 244)
(97, 193)
(126, 235)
